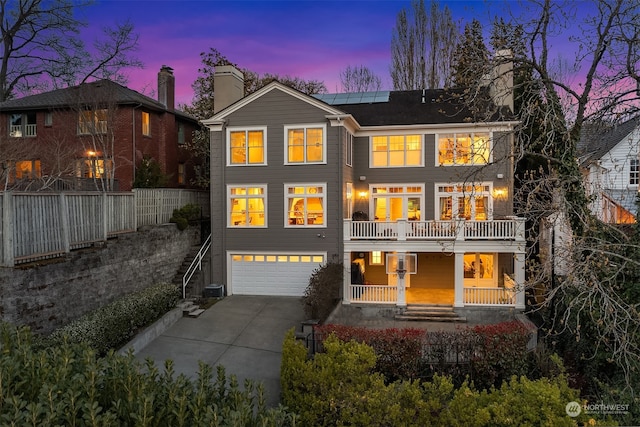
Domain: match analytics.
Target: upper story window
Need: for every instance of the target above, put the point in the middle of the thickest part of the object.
(146, 124)
(348, 147)
(48, 119)
(22, 125)
(180, 133)
(634, 172)
(91, 122)
(305, 205)
(247, 146)
(464, 148)
(247, 206)
(396, 151)
(305, 144)
(392, 202)
(471, 202)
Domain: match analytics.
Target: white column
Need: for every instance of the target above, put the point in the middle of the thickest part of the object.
(518, 275)
(458, 281)
(346, 280)
(402, 294)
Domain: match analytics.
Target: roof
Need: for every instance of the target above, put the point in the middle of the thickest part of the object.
(596, 140)
(413, 107)
(86, 93)
(625, 198)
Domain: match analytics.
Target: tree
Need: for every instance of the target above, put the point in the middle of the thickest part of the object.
(586, 302)
(471, 57)
(204, 92)
(42, 49)
(422, 47)
(359, 79)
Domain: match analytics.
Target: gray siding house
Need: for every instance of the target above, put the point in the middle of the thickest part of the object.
(410, 190)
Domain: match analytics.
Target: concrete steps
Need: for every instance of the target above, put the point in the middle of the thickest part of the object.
(190, 309)
(430, 313)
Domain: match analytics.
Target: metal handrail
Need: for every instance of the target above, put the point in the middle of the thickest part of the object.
(196, 263)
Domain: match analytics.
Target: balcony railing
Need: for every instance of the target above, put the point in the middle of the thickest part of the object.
(459, 229)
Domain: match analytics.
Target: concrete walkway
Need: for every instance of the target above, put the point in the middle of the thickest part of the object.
(242, 333)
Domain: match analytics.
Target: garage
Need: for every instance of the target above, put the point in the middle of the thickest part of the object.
(272, 274)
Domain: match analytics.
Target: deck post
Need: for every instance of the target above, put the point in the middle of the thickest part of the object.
(346, 281)
(401, 271)
(458, 280)
(518, 273)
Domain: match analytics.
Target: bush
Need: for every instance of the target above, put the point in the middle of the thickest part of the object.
(186, 214)
(68, 385)
(340, 387)
(113, 325)
(323, 292)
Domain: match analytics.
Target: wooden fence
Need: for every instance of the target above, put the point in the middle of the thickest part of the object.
(35, 226)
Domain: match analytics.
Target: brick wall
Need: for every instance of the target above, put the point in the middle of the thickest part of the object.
(48, 295)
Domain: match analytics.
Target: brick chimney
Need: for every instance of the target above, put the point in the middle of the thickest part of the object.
(167, 87)
(228, 86)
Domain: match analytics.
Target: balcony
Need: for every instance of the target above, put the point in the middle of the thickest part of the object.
(454, 230)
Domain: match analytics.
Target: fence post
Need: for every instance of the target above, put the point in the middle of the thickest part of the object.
(64, 223)
(7, 229)
(105, 216)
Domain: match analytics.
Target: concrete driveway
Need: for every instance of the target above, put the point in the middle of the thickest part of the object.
(242, 333)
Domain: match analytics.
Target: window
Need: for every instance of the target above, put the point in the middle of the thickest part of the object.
(634, 172)
(48, 119)
(305, 205)
(349, 199)
(393, 202)
(94, 168)
(146, 126)
(247, 146)
(464, 148)
(247, 206)
(305, 144)
(376, 258)
(180, 133)
(471, 202)
(479, 269)
(348, 147)
(181, 174)
(22, 125)
(91, 122)
(396, 151)
(28, 169)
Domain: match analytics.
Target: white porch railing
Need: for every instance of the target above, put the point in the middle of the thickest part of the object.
(459, 229)
(489, 296)
(373, 294)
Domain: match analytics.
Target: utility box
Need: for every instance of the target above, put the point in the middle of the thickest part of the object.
(213, 291)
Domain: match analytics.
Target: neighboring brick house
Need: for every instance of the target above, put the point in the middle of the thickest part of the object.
(611, 166)
(94, 136)
(406, 188)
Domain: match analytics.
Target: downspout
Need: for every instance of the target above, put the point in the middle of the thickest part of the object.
(133, 143)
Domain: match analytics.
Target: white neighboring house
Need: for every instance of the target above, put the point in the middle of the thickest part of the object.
(611, 166)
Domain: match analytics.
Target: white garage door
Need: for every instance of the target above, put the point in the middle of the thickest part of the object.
(272, 274)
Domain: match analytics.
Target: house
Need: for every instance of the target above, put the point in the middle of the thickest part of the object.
(611, 167)
(406, 188)
(94, 136)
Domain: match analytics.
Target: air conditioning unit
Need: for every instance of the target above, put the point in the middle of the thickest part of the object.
(213, 291)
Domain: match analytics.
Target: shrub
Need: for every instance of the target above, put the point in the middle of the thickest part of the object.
(68, 385)
(188, 213)
(323, 292)
(113, 325)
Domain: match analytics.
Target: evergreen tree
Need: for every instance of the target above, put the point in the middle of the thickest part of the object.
(471, 57)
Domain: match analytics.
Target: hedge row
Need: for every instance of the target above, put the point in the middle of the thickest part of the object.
(487, 354)
(113, 325)
(68, 385)
(340, 387)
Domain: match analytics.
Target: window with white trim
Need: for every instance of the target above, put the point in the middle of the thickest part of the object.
(634, 172)
(376, 258)
(305, 144)
(247, 206)
(92, 122)
(21, 125)
(471, 202)
(464, 148)
(396, 151)
(305, 205)
(392, 202)
(348, 147)
(247, 146)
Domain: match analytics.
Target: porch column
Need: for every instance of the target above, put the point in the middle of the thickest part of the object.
(402, 294)
(346, 277)
(458, 280)
(518, 275)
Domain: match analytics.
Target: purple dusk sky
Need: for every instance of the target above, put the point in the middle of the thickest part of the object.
(307, 39)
